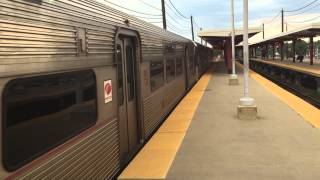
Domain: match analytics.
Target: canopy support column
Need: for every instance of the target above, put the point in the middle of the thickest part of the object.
(311, 50)
(273, 51)
(281, 50)
(294, 50)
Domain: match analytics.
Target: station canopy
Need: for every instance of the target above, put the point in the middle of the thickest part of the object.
(217, 37)
(305, 31)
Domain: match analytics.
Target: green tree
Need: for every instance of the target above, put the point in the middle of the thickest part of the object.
(217, 52)
(301, 47)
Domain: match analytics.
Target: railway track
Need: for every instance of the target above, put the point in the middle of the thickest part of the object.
(301, 92)
(308, 95)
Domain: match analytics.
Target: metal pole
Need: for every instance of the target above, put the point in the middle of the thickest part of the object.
(282, 20)
(233, 39)
(263, 30)
(192, 28)
(311, 50)
(281, 50)
(201, 37)
(246, 100)
(164, 21)
(273, 51)
(294, 50)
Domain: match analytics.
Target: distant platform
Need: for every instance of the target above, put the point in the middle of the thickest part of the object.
(213, 144)
(303, 67)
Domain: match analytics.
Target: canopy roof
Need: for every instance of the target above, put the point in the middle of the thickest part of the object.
(216, 37)
(309, 30)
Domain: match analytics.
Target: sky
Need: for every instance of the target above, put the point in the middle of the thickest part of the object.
(215, 14)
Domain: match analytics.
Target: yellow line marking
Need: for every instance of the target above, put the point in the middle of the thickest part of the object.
(311, 70)
(156, 157)
(310, 113)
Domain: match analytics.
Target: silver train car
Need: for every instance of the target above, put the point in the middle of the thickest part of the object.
(83, 86)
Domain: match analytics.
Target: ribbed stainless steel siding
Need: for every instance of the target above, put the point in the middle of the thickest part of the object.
(50, 29)
(100, 42)
(23, 39)
(158, 105)
(43, 38)
(96, 157)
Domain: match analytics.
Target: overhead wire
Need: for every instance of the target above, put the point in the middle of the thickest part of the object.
(168, 7)
(273, 19)
(143, 17)
(177, 10)
(178, 32)
(157, 22)
(196, 24)
(311, 8)
(175, 27)
(174, 30)
(154, 7)
(131, 9)
(303, 7)
(174, 20)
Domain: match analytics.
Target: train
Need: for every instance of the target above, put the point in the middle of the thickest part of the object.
(84, 86)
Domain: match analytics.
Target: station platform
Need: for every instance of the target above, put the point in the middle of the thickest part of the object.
(204, 139)
(303, 67)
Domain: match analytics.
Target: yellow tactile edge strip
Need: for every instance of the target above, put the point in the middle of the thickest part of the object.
(156, 157)
(310, 113)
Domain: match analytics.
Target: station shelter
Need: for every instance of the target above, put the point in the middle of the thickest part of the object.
(221, 39)
(275, 44)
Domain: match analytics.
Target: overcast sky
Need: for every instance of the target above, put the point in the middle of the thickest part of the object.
(215, 14)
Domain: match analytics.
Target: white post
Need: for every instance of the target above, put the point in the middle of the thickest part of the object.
(246, 100)
(233, 78)
(232, 37)
(246, 109)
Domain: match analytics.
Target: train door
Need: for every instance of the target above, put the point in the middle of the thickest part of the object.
(127, 95)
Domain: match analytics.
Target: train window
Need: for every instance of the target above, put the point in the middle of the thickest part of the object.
(120, 76)
(42, 112)
(179, 66)
(156, 75)
(170, 69)
(130, 72)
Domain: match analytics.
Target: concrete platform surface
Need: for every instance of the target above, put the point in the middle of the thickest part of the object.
(279, 145)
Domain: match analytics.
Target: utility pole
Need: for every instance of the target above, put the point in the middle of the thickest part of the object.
(262, 30)
(201, 38)
(164, 20)
(247, 110)
(233, 80)
(192, 27)
(282, 20)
